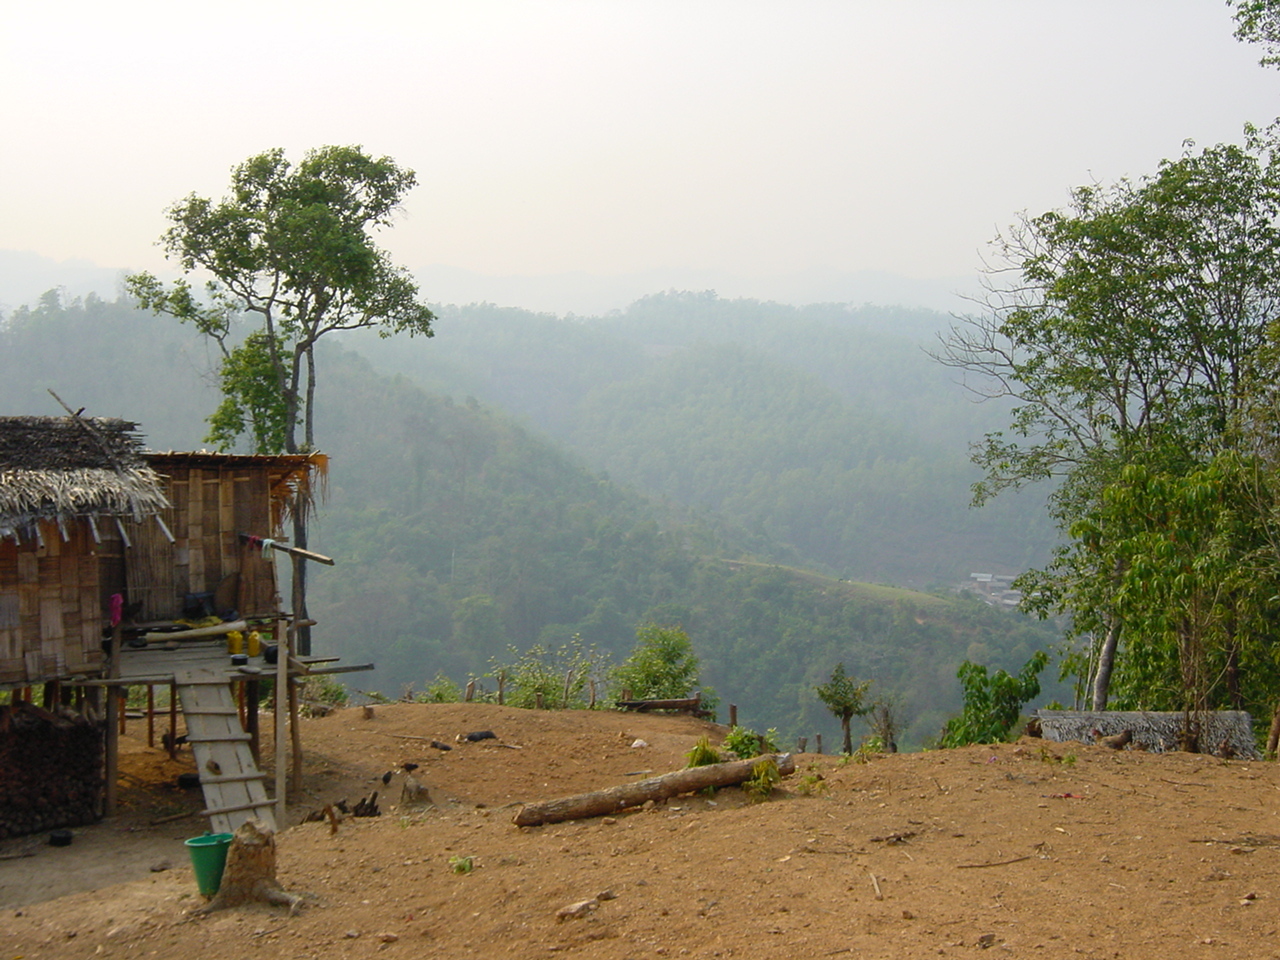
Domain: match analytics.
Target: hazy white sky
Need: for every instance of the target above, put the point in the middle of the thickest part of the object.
(759, 138)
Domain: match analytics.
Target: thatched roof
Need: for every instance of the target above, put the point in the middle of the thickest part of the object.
(63, 467)
(1221, 732)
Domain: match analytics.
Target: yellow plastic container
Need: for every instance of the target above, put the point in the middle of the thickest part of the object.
(255, 643)
(235, 642)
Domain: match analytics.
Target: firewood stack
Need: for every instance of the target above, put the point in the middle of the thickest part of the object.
(50, 770)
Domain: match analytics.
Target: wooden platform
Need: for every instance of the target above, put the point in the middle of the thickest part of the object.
(234, 788)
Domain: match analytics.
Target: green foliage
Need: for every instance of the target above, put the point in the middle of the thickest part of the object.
(251, 400)
(326, 690)
(702, 754)
(661, 666)
(1258, 21)
(291, 246)
(844, 698)
(441, 690)
(1130, 344)
(559, 675)
(745, 744)
(811, 783)
(463, 865)
(992, 703)
(764, 777)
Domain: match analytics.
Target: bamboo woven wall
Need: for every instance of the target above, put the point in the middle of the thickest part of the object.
(212, 504)
(51, 610)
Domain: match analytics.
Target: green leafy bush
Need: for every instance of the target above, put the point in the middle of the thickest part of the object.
(441, 690)
(560, 675)
(992, 703)
(703, 753)
(745, 744)
(764, 777)
(662, 666)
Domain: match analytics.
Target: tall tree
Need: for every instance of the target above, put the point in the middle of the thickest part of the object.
(1126, 337)
(844, 697)
(290, 257)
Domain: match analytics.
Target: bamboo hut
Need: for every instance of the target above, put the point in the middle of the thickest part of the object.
(101, 543)
(68, 486)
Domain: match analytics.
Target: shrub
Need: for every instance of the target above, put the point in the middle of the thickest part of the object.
(764, 777)
(745, 744)
(703, 753)
(560, 675)
(992, 704)
(662, 666)
(441, 690)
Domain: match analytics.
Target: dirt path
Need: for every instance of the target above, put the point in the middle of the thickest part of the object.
(1032, 849)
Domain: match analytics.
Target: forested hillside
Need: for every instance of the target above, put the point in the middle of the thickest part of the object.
(827, 428)
(460, 532)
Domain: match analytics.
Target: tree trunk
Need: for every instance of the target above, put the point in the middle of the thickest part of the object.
(300, 615)
(1273, 736)
(613, 799)
(848, 735)
(1106, 660)
(250, 873)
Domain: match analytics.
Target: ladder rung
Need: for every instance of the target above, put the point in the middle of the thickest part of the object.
(236, 809)
(234, 778)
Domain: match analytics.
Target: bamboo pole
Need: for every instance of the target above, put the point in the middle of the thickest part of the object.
(112, 764)
(173, 719)
(282, 682)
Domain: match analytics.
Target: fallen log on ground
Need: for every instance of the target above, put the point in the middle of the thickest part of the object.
(612, 799)
(690, 705)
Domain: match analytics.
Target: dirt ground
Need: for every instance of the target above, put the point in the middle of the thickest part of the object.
(1027, 849)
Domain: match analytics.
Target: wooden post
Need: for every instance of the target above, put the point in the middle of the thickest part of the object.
(537, 699)
(123, 693)
(112, 765)
(592, 704)
(502, 682)
(471, 690)
(817, 739)
(801, 744)
(733, 714)
(282, 682)
(291, 646)
(173, 720)
(151, 715)
(295, 731)
(253, 690)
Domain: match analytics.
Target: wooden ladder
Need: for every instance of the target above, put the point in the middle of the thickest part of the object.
(234, 788)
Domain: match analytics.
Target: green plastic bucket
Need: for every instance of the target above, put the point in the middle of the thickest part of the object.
(208, 858)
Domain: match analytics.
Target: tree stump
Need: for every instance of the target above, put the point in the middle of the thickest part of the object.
(250, 874)
(414, 795)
